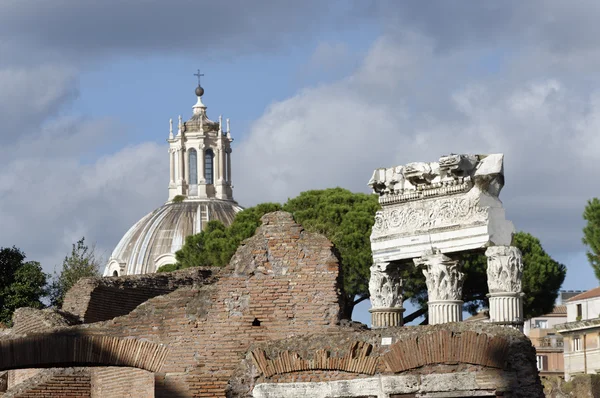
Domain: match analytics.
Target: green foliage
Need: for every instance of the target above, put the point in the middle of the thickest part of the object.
(22, 284)
(346, 219)
(216, 244)
(81, 263)
(542, 276)
(178, 198)
(169, 268)
(591, 234)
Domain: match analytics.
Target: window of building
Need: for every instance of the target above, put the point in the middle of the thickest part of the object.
(209, 157)
(193, 166)
(579, 312)
(577, 344)
(542, 362)
(541, 323)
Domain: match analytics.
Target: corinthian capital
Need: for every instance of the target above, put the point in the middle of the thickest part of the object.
(443, 277)
(504, 269)
(385, 286)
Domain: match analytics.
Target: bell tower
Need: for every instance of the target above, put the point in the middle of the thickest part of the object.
(200, 155)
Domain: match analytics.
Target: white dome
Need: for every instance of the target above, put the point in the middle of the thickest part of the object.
(153, 241)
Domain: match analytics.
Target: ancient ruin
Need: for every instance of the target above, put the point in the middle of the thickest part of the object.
(267, 325)
(430, 211)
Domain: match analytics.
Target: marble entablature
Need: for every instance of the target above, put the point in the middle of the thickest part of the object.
(451, 205)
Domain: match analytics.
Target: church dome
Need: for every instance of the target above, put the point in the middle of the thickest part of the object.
(200, 190)
(153, 241)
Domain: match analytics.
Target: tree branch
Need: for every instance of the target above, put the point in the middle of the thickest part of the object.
(360, 299)
(415, 315)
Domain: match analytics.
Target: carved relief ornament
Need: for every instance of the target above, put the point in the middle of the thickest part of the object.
(385, 286)
(504, 269)
(436, 213)
(443, 277)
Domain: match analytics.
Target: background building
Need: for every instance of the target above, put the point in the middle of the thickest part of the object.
(200, 190)
(547, 342)
(582, 334)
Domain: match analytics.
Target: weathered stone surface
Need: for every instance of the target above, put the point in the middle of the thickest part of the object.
(30, 320)
(451, 205)
(504, 269)
(208, 325)
(101, 299)
(443, 277)
(63, 382)
(290, 310)
(385, 286)
(485, 358)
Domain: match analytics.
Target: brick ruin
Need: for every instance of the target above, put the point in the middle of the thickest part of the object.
(267, 325)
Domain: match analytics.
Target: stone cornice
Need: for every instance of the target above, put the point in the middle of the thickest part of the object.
(578, 325)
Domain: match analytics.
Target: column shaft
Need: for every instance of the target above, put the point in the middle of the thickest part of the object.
(171, 166)
(229, 166)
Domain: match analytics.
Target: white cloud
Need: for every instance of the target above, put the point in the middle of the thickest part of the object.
(31, 95)
(56, 192)
(336, 134)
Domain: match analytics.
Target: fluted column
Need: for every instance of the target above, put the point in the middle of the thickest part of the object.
(444, 287)
(504, 273)
(385, 288)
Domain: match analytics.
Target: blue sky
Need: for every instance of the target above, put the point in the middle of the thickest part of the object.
(319, 94)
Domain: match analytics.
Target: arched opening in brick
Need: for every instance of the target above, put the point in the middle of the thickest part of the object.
(115, 273)
(255, 322)
(56, 350)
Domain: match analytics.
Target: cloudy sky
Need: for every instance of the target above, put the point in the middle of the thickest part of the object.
(319, 94)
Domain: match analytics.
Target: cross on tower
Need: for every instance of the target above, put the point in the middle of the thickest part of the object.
(199, 75)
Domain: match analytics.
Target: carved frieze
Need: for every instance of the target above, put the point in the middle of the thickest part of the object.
(443, 277)
(385, 286)
(451, 174)
(435, 213)
(504, 269)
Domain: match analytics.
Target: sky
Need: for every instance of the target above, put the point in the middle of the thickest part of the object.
(319, 95)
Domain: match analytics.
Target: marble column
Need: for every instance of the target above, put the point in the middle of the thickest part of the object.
(201, 161)
(171, 168)
(504, 273)
(177, 165)
(186, 162)
(221, 164)
(229, 166)
(181, 164)
(385, 288)
(444, 287)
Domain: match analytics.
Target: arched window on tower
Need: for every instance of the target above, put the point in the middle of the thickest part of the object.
(193, 177)
(209, 157)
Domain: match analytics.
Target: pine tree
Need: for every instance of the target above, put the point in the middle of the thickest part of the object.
(591, 234)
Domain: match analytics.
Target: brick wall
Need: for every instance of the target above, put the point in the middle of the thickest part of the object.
(282, 282)
(100, 299)
(29, 320)
(119, 382)
(496, 359)
(18, 376)
(53, 383)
